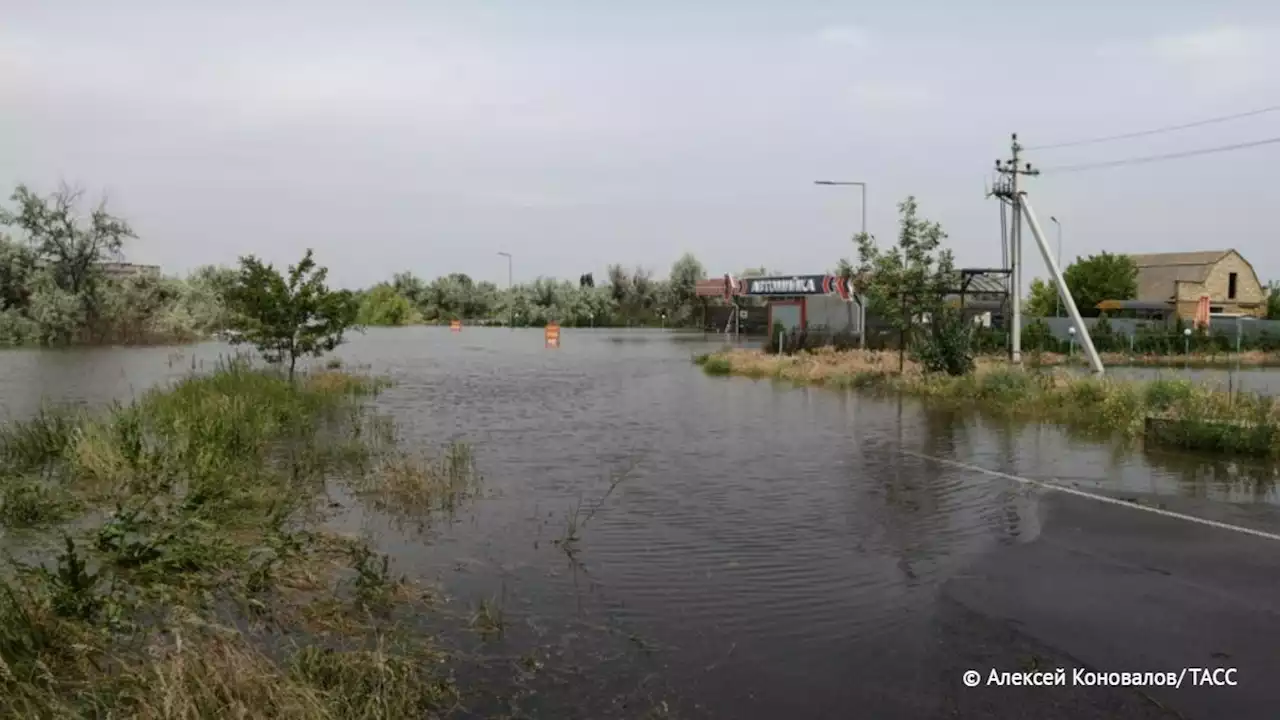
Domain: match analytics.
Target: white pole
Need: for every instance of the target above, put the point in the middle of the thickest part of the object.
(1086, 342)
(1015, 255)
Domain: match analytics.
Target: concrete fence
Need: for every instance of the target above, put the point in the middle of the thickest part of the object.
(1128, 327)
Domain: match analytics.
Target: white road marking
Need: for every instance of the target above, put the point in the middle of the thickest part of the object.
(1094, 496)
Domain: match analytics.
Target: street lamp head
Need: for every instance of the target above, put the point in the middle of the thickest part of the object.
(1187, 332)
(1071, 330)
(1051, 217)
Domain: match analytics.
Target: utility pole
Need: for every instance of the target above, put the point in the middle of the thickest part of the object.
(1008, 190)
(1057, 301)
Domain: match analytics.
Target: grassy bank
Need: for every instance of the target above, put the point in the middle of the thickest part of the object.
(1194, 416)
(168, 558)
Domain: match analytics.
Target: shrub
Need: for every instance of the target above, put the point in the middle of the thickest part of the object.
(1005, 385)
(717, 365)
(946, 343)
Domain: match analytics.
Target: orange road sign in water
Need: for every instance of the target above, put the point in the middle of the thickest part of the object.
(455, 325)
(553, 335)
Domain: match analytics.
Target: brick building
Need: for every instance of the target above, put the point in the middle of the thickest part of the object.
(1180, 279)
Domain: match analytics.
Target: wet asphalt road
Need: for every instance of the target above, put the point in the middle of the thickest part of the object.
(1111, 588)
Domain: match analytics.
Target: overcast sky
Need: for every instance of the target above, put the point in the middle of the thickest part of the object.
(428, 136)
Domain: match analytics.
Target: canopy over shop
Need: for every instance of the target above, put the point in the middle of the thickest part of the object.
(796, 302)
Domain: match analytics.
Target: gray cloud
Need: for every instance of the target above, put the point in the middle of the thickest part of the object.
(424, 138)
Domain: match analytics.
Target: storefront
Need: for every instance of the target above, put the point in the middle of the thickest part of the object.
(796, 302)
(806, 302)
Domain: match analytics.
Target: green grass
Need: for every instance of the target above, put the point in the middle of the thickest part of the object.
(195, 501)
(1207, 418)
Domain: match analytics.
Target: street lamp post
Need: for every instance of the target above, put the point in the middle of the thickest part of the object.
(510, 287)
(862, 309)
(1057, 302)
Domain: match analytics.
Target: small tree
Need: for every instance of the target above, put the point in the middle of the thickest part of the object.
(289, 317)
(909, 282)
(1103, 334)
(1273, 300)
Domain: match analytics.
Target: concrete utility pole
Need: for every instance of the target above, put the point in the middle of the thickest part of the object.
(1008, 190)
(1079, 329)
(1057, 301)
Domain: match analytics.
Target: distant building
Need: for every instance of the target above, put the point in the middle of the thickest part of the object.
(1178, 280)
(792, 302)
(122, 270)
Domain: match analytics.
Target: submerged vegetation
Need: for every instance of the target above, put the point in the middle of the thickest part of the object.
(1187, 414)
(169, 558)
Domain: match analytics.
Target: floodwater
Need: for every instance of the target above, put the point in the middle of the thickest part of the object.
(770, 551)
(1240, 378)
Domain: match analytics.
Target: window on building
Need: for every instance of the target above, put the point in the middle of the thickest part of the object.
(1231, 286)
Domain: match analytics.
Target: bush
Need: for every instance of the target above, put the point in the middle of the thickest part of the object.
(1166, 394)
(1103, 335)
(1006, 385)
(1037, 336)
(716, 365)
(946, 343)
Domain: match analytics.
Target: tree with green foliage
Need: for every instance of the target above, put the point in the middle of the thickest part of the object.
(17, 267)
(1043, 301)
(70, 246)
(291, 315)
(907, 283)
(411, 287)
(384, 305)
(1101, 277)
(1273, 300)
(682, 296)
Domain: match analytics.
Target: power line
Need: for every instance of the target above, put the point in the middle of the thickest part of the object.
(1154, 131)
(1157, 158)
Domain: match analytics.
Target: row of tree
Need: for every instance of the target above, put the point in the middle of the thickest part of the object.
(54, 289)
(629, 298)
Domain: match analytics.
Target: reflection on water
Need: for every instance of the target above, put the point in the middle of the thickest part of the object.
(767, 537)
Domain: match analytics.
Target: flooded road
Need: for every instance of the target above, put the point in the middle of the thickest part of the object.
(768, 551)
